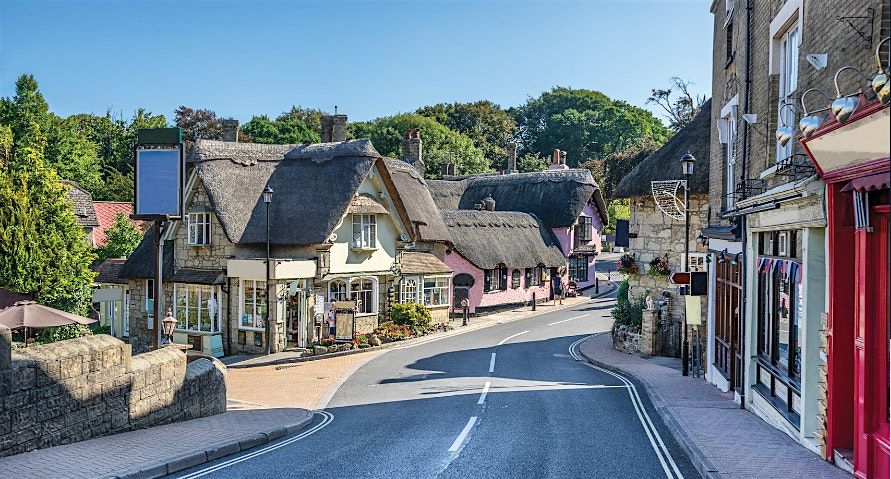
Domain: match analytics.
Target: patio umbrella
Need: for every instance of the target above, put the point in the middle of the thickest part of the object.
(29, 314)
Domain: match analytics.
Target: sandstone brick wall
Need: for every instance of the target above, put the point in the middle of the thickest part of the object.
(212, 256)
(74, 390)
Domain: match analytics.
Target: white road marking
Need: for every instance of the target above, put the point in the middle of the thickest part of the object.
(510, 337)
(461, 437)
(565, 320)
(327, 417)
(558, 355)
(653, 435)
(485, 391)
(492, 364)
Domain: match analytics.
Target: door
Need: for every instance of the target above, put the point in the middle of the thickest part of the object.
(871, 348)
(297, 314)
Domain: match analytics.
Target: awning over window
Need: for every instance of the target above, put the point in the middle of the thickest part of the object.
(878, 181)
(366, 205)
(414, 262)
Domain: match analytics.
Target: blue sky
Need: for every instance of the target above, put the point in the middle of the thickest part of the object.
(369, 58)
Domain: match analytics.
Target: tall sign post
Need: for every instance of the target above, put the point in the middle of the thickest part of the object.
(158, 188)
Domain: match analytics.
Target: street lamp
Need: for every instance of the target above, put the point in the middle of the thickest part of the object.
(267, 199)
(687, 162)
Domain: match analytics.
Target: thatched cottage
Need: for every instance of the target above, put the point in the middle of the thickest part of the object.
(568, 202)
(654, 234)
(338, 231)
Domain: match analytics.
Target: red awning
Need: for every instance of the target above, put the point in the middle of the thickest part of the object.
(878, 181)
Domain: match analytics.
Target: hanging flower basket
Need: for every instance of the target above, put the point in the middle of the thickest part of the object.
(659, 267)
(628, 265)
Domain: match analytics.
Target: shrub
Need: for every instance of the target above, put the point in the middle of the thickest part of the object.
(628, 311)
(393, 331)
(413, 315)
(61, 333)
(622, 292)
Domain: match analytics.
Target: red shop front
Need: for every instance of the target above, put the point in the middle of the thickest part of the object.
(853, 160)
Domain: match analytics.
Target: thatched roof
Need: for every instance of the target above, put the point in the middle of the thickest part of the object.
(557, 196)
(415, 197)
(313, 186)
(421, 262)
(109, 271)
(82, 203)
(366, 205)
(488, 238)
(664, 163)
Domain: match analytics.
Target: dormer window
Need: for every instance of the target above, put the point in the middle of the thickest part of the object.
(199, 229)
(364, 232)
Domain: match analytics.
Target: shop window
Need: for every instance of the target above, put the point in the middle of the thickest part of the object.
(533, 276)
(578, 268)
(436, 291)
(364, 292)
(495, 279)
(196, 308)
(364, 232)
(253, 305)
(199, 229)
(337, 291)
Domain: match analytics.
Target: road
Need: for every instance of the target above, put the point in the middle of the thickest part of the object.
(510, 400)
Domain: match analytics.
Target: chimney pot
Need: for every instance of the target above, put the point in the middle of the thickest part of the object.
(334, 128)
(512, 158)
(412, 150)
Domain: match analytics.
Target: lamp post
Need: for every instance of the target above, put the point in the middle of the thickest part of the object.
(687, 162)
(267, 199)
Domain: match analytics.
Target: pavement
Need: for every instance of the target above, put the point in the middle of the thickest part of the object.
(158, 451)
(722, 440)
(503, 401)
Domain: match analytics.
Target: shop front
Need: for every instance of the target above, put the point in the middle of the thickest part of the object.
(853, 160)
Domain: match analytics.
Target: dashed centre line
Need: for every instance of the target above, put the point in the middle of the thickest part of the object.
(461, 437)
(485, 392)
(492, 364)
(565, 320)
(510, 337)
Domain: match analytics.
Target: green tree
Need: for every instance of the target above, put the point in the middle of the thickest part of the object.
(200, 123)
(286, 131)
(123, 236)
(311, 117)
(27, 106)
(682, 107)
(618, 164)
(440, 144)
(617, 209)
(587, 124)
(529, 162)
(489, 126)
(73, 155)
(43, 251)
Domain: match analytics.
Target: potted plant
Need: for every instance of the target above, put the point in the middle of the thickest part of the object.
(628, 265)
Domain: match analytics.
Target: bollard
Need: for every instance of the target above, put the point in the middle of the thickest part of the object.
(533, 301)
(466, 317)
(596, 285)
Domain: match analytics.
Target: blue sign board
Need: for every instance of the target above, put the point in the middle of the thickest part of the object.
(159, 183)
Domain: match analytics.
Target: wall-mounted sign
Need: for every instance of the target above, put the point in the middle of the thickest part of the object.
(158, 183)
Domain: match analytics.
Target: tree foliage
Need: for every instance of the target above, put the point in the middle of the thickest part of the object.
(198, 123)
(123, 236)
(586, 124)
(43, 251)
(440, 144)
(489, 126)
(311, 117)
(618, 164)
(282, 131)
(683, 107)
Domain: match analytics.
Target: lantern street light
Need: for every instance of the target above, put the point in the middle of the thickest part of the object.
(687, 162)
(267, 199)
(167, 327)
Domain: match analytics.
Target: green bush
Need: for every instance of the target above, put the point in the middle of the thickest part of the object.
(61, 333)
(413, 315)
(622, 293)
(628, 312)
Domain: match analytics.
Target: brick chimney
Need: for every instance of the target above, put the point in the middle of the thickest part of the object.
(230, 130)
(447, 169)
(412, 152)
(558, 160)
(512, 158)
(334, 128)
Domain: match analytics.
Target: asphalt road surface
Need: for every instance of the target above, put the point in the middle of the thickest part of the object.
(506, 401)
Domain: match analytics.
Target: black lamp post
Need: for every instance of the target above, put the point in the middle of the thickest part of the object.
(267, 199)
(687, 162)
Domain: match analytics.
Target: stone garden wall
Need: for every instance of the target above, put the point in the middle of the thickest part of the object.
(92, 386)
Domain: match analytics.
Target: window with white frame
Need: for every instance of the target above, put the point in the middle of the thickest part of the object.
(364, 292)
(697, 262)
(196, 308)
(364, 231)
(788, 83)
(150, 302)
(199, 228)
(253, 305)
(731, 158)
(337, 291)
(408, 290)
(436, 291)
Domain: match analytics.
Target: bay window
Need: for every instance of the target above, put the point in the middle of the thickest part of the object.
(196, 308)
(436, 291)
(253, 308)
(199, 229)
(364, 231)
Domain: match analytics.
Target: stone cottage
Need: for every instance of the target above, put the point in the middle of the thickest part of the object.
(654, 234)
(336, 229)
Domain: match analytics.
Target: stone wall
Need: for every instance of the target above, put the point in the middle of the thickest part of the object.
(655, 234)
(82, 388)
